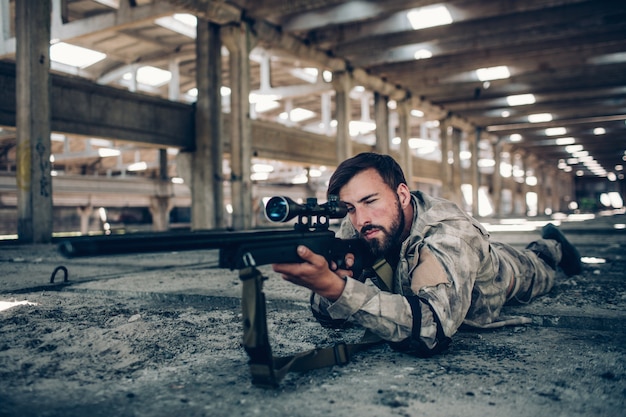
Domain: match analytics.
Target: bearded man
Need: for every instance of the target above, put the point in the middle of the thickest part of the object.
(437, 268)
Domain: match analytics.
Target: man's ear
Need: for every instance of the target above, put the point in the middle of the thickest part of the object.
(404, 194)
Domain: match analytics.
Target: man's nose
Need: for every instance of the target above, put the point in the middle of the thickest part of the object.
(361, 219)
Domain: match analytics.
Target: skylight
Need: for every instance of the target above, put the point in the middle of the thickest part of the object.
(429, 16)
(556, 131)
(422, 54)
(520, 99)
(493, 73)
(423, 146)
(308, 74)
(182, 23)
(539, 117)
(74, 56)
(151, 76)
(106, 152)
(297, 115)
(361, 127)
(573, 148)
(187, 19)
(138, 166)
(566, 141)
(262, 106)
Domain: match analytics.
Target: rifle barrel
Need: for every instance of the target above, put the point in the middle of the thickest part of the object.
(175, 241)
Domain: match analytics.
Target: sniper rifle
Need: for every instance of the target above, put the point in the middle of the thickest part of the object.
(244, 251)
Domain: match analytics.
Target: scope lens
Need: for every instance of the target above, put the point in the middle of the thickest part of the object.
(277, 209)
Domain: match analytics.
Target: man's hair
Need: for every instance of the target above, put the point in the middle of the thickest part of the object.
(385, 165)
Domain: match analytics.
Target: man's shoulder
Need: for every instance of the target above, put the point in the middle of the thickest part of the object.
(427, 201)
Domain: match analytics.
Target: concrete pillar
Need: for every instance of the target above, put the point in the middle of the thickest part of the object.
(530, 167)
(207, 191)
(33, 176)
(85, 213)
(496, 179)
(381, 116)
(173, 91)
(5, 23)
(238, 41)
(542, 189)
(133, 78)
(522, 208)
(327, 113)
(457, 170)
(446, 173)
(163, 168)
(474, 171)
(404, 131)
(343, 85)
(556, 186)
(160, 208)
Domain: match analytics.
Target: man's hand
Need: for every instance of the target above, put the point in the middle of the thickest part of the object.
(315, 274)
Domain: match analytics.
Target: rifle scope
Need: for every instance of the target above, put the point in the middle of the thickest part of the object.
(282, 209)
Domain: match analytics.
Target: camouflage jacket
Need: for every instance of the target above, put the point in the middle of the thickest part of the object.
(448, 273)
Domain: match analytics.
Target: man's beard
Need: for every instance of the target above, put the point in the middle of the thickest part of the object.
(391, 237)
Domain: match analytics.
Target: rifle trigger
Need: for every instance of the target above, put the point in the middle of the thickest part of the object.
(248, 259)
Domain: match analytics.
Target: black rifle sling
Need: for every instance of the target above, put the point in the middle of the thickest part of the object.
(384, 273)
(267, 370)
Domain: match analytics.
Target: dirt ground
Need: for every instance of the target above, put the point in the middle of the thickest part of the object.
(160, 335)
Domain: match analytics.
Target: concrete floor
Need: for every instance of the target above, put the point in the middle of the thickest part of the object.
(158, 334)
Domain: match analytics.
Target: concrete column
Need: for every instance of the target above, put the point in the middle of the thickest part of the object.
(173, 91)
(523, 207)
(567, 191)
(207, 190)
(33, 176)
(85, 213)
(238, 41)
(556, 186)
(542, 189)
(445, 174)
(161, 205)
(496, 179)
(474, 171)
(381, 116)
(5, 23)
(343, 85)
(160, 208)
(530, 166)
(327, 113)
(404, 130)
(457, 170)
(133, 78)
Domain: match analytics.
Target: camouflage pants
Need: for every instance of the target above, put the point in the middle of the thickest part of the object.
(521, 276)
(530, 271)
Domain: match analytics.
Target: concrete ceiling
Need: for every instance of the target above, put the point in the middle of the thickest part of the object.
(570, 54)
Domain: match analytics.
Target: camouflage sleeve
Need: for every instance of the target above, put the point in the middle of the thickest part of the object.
(450, 259)
(423, 320)
(386, 315)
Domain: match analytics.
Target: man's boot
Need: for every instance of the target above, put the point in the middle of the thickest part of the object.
(570, 261)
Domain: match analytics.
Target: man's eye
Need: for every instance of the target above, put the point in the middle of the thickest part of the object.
(350, 209)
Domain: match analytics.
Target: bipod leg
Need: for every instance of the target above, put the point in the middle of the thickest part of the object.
(255, 337)
(266, 370)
